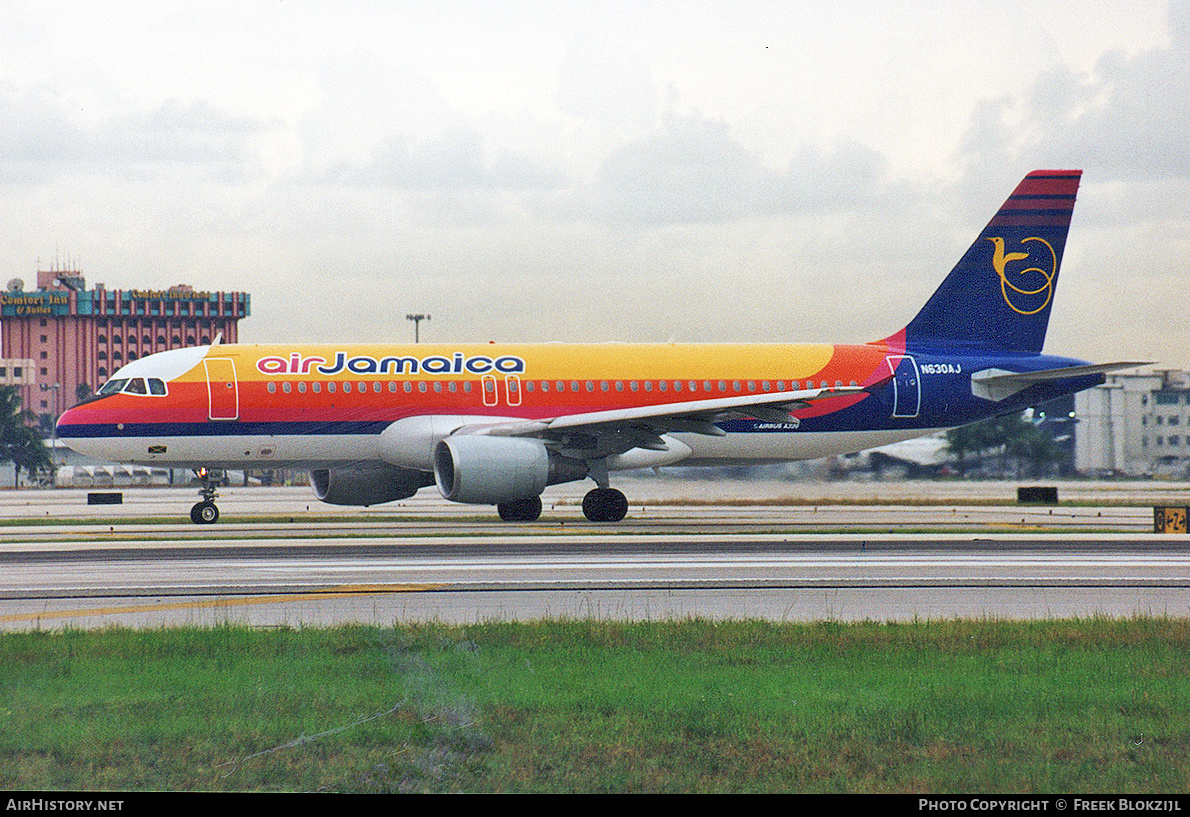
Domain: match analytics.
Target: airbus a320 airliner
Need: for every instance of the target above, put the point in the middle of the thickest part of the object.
(495, 424)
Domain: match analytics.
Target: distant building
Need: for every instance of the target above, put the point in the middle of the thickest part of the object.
(68, 339)
(1134, 425)
(16, 372)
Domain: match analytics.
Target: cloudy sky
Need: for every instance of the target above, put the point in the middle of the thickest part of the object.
(692, 171)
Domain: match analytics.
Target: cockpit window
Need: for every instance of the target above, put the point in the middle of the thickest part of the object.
(134, 385)
(112, 386)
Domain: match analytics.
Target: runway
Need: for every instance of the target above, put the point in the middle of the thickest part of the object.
(670, 561)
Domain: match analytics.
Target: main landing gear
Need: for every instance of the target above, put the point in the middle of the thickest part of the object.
(520, 510)
(605, 505)
(599, 505)
(205, 512)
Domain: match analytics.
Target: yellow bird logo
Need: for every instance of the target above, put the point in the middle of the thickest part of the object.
(1032, 283)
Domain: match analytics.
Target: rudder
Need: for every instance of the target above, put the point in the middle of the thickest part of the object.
(998, 297)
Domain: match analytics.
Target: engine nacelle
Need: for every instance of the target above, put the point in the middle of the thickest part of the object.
(369, 485)
(485, 470)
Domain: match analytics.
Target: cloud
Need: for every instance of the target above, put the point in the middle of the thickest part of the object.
(1126, 117)
(693, 170)
(42, 142)
(454, 161)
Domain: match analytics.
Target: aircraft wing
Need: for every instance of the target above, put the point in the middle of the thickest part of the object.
(615, 431)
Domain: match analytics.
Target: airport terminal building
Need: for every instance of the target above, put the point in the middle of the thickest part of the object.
(1135, 425)
(66, 340)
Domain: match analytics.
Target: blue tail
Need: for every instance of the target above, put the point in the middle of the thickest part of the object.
(998, 297)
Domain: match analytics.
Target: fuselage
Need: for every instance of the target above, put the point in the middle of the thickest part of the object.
(246, 406)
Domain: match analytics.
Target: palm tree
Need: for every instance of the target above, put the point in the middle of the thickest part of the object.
(20, 443)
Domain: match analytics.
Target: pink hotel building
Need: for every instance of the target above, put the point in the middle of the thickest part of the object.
(76, 337)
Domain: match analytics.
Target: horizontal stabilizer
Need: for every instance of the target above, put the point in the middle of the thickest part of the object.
(998, 384)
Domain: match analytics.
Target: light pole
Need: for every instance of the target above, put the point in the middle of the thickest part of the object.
(417, 319)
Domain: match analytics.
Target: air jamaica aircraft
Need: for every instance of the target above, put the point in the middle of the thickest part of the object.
(495, 424)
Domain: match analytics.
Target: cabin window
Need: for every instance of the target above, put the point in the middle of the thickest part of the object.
(408, 387)
(663, 385)
(421, 386)
(766, 386)
(347, 387)
(722, 385)
(634, 385)
(272, 387)
(376, 387)
(452, 386)
(330, 387)
(604, 385)
(735, 385)
(286, 387)
(545, 385)
(619, 385)
(751, 385)
(317, 387)
(648, 385)
(302, 387)
(574, 385)
(466, 386)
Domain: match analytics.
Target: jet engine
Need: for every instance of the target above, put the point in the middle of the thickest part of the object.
(367, 485)
(487, 470)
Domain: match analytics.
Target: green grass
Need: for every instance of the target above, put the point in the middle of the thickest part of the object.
(1094, 705)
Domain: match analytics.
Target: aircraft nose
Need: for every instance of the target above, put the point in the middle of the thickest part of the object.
(71, 420)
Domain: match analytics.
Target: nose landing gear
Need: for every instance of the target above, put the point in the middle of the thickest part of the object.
(205, 512)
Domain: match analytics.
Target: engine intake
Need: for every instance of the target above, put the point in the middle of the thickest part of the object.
(485, 470)
(371, 485)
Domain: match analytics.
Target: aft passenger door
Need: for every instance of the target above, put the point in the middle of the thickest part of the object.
(906, 385)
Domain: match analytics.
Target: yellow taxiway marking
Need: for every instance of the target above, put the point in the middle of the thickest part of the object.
(331, 592)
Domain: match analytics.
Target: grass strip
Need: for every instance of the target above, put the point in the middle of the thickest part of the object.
(1090, 705)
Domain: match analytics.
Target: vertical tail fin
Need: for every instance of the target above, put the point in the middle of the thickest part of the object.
(998, 296)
